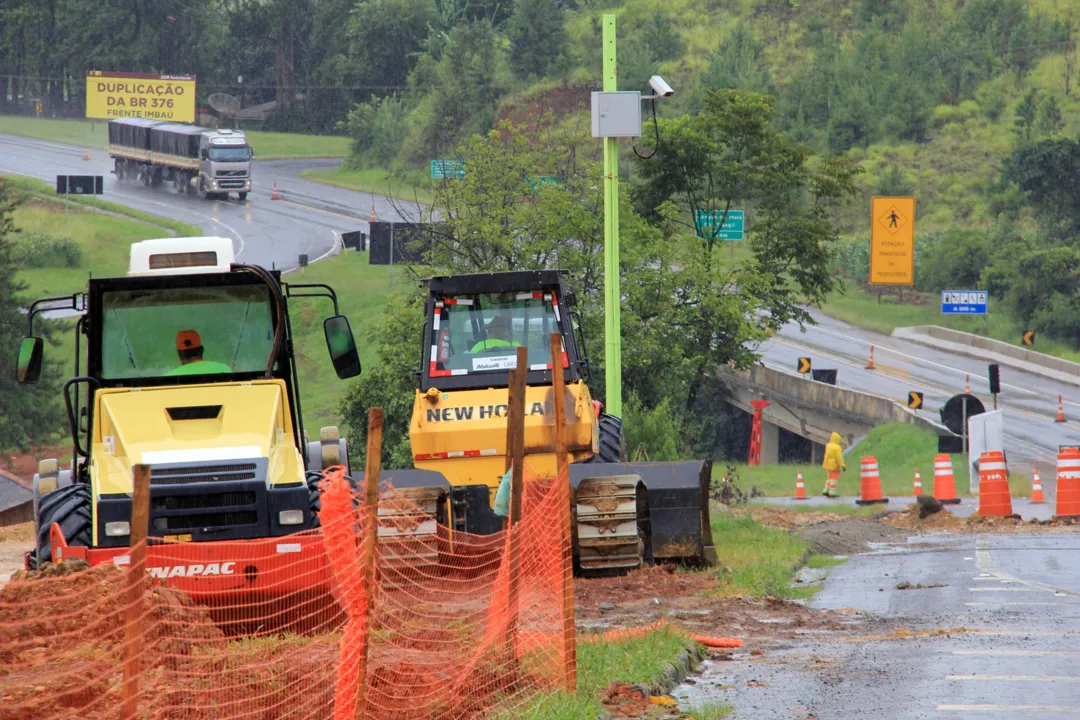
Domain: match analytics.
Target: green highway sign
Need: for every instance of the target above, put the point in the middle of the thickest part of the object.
(732, 229)
(441, 169)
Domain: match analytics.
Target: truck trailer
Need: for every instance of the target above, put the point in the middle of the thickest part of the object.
(196, 160)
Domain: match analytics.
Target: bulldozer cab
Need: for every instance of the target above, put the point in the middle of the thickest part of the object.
(475, 323)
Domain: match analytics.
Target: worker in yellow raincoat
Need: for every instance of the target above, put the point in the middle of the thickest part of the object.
(833, 464)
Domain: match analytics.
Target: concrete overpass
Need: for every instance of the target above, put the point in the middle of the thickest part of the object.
(812, 410)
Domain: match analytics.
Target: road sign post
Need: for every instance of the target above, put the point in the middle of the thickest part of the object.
(892, 241)
(612, 281)
(963, 302)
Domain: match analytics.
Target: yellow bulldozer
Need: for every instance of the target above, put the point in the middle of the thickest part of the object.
(625, 513)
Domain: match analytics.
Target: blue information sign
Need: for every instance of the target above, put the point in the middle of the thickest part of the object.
(732, 229)
(963, 302)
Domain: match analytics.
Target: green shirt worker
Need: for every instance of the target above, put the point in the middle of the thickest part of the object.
(190, 349)
(498, 336)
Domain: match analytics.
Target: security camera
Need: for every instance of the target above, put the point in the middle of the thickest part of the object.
(660, 87)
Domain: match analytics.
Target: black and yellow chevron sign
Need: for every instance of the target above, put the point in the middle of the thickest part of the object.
(914, 400)
(804, 365)
(1029, 337)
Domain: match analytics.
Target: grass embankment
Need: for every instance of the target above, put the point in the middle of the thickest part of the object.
(862, 310)
(94, 134)
(416, 189)
(900, 449)
(600, 663)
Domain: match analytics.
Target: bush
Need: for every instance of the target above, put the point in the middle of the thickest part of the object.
(954, 259)
(654, 433)
(40, 250)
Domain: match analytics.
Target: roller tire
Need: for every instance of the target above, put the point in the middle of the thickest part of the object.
(612, 441)
(314, 501)
(71, 508)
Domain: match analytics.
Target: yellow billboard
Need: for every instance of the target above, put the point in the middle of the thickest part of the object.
(892, 241)
(133, 95)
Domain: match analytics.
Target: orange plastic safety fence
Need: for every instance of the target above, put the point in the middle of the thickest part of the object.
(277, 628)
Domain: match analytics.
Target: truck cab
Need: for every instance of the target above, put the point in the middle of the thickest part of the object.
(225, 162)
(189, 370)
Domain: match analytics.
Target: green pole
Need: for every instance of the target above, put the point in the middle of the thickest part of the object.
(612, 293)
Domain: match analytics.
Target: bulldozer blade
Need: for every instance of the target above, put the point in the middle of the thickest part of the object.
(677, 505)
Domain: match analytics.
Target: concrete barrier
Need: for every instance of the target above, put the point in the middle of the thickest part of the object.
(992, 351)
(814, 410)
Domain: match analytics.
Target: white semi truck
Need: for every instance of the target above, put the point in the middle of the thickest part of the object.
(196, 160)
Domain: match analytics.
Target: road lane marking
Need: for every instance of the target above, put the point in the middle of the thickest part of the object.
(1017, 678)
(980, 604)
(984, 563)
(1011, 708)
(1021, 653)
(1004, 589)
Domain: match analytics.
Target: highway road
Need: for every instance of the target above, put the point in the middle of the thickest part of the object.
(1029, 401)
(304, 220)
(271, 233)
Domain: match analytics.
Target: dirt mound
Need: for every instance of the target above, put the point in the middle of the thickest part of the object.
(848, 536)
(643, 584)
(945, 521)
(784, 519)
(20, 532)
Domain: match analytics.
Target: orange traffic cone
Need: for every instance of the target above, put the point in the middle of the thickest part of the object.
(967, 384)
(373, 210)
(85, 154)
(871, 483)
(1061, 412)
(800, 489)
(944, 484)
(870, 362)
(994, 498)
(1068, 483)
(1036, 489)
(274, 196)
(918, 484)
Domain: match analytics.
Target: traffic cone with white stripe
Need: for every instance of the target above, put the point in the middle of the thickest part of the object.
(1061, 412)
(800, 489)
(274, 196)
(85, 154)
(918, 484)
(1068, 483)
(1036, 489)
(372, 211)
(994, 498)
(870, 362)
(967, 384)
(870, 492)
(944, 483)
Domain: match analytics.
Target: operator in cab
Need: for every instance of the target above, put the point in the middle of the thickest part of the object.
(498, 335)
(190, 349)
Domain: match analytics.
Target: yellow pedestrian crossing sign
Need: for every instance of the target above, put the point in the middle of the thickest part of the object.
(914, 400)
(804, 365)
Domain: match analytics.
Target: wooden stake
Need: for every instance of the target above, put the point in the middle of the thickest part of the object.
(562, 487)
(515, 436)
(370, 531)
(136, 583)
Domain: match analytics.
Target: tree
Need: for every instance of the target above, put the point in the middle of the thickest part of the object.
(1050, 121)
(29, 414)
(737, 63)
(661, 37)
(1046, 171)
(385, 36)
(537, 37)
(1024, 116)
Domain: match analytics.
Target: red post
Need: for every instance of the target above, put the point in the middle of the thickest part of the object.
(755, 431)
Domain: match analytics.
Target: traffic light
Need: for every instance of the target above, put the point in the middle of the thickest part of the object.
(995, 380)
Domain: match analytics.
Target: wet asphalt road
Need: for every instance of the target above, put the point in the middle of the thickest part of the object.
(265, 232)
(1029, 401)
(998, 638)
